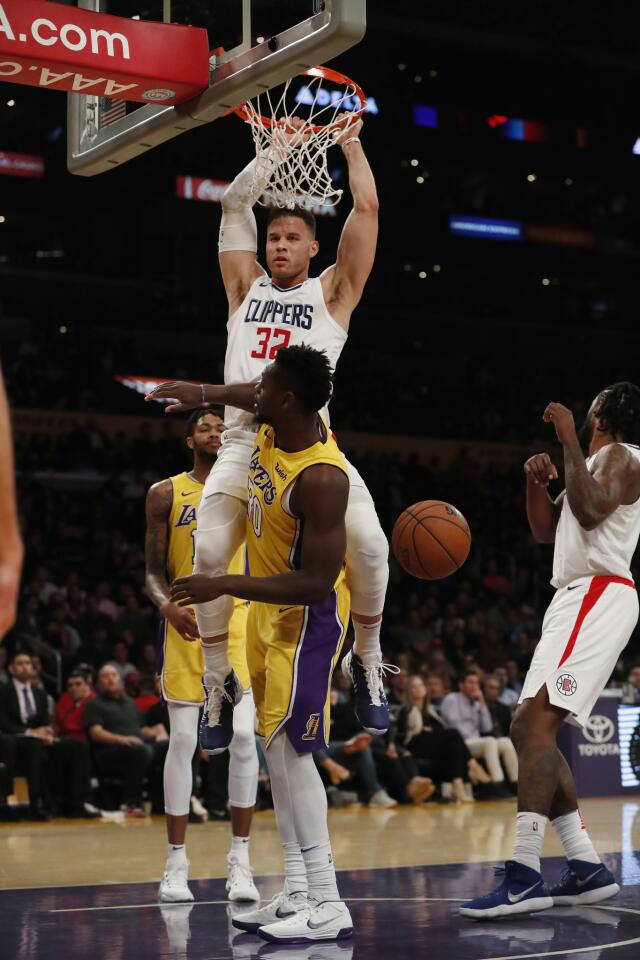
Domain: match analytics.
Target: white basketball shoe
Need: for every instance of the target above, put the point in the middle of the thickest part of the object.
(240, 885)
(283, 905)
(330, 920)
(173, 886)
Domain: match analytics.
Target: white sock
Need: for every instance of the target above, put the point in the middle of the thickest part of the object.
(367, 641)
(530, 828)
(295, 874)
(240, 850)
(176, 854)
(321, 874)
(573, 836)
(217, 665)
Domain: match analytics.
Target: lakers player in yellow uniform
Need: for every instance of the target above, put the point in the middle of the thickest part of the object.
(296, 541)
(171, 528)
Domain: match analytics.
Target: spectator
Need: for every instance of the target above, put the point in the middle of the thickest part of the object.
(440, 753)
(350, 747)
(508, 696)
(466, 711)
(631, 689)
(121, 659)
(24, 713)
(105, 603)
(70, 707)
(399, 684)
(514, 679)
(37, 681)
(500, 714)
(114, 726)
(435, 690)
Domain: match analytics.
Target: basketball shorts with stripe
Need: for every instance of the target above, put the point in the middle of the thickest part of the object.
(585, 629)
(292, 652)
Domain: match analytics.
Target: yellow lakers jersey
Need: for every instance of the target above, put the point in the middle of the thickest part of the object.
(182, 526)
(274, 535)
(182, 661)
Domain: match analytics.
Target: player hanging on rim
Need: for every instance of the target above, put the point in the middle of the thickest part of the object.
(268, 311)
(171, 524)
(296, 546)
(595, 524)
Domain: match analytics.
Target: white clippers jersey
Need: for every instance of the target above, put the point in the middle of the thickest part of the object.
(606, 550)
(270, 318)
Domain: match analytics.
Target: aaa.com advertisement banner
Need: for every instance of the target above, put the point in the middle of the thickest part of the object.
(49, 45)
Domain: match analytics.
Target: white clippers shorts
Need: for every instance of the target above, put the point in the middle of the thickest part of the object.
(585, 629)
(231, 470)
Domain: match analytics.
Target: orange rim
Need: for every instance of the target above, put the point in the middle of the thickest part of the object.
(245, 113)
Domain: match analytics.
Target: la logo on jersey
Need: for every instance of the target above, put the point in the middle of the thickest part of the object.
(187, 515)
(313, 724)
(566, 685)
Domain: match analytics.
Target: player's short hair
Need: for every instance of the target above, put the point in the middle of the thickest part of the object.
(196, 416)
(277, 213)
(618, 411)
(307, 374)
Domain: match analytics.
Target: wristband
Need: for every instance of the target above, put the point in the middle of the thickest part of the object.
(350, 140)
(204, 402)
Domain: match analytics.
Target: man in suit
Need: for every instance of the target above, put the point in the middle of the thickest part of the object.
(53, 768)
(500, 714)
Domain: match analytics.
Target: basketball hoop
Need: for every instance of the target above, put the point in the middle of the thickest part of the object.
(293, 131)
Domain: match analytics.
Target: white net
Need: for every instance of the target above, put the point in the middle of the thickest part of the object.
(292, 133)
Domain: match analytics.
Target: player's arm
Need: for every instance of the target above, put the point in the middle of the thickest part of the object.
(238, 241)
(343, 283)
(592, 497)
(158, 510)
(194, 396)
(11, 549)
(543, 513)
(320, 497)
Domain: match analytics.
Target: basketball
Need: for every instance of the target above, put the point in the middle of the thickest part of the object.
(431, 539)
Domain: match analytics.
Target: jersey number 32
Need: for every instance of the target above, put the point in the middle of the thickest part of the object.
(270, 340)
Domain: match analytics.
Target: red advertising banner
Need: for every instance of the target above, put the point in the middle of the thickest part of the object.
(21, 165)
(49, 45)
(198, 188)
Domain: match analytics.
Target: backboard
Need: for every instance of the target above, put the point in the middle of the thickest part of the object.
(255, 45)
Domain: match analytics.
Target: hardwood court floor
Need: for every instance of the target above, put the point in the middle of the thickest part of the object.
(88, 891)
(66, 852)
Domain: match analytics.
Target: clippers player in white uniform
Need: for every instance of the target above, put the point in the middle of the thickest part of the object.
(595, 525)
(267, 311)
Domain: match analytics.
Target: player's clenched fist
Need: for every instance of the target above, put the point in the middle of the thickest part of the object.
(539, 469)
(562, 419)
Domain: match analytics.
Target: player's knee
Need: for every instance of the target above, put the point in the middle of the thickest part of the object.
(368, 560)
(182, 744)
(243, 746)
(213, 554)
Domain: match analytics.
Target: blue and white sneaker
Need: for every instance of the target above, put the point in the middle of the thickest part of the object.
(216, 725)
(522, 891)
(372, 709)
(583, 882)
